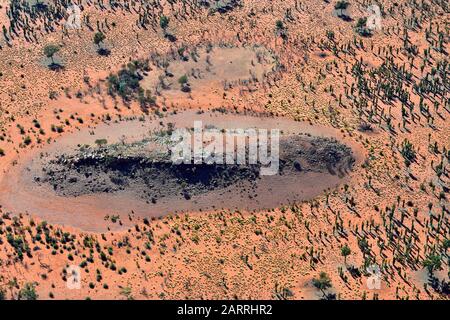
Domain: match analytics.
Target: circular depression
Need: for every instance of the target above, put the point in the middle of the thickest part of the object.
(76, 182)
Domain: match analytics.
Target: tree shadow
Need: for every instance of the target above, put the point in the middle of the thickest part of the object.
(170, 37)
(345, 17)
(104, 52)
(54, 66)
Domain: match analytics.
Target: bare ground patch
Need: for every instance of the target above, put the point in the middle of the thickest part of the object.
(208, 68)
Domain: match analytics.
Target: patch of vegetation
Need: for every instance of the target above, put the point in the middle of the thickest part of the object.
(99, 37)
(19, 244)
(433, 263)
(408, 152)
(220, 6)
(362, 29)
(126, 84)
(50, 51)
(28, 292)
(101, 142)
(341, 6)
(322, 283)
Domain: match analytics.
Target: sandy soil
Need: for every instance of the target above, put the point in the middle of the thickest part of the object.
(330, 76)
(210, 70)
(21, 193)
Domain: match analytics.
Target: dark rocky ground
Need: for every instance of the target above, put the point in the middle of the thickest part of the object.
(145, 169)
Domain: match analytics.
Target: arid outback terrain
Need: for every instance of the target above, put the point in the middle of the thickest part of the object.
(368, 108)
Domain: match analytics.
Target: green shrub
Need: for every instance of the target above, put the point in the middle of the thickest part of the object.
(28, 292)
(183, 80)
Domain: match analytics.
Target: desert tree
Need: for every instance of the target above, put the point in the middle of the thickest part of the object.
(341, 5)
(433, 262)
(164, 23)
(363, 245)
(99, 37)
(183, 80)
(345, 251)
(28, 292)
(50, 50)
(101, 142)
(322, 283)
(408, 152)
(281, 29)
(361, 27)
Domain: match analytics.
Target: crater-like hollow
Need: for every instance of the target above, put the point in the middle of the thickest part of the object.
(128, 168)
(151, 174)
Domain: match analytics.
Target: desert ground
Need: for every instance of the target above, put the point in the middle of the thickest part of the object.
(377, 98)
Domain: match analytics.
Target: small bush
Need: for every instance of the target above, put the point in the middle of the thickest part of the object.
(28, 292)
(183, 80)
